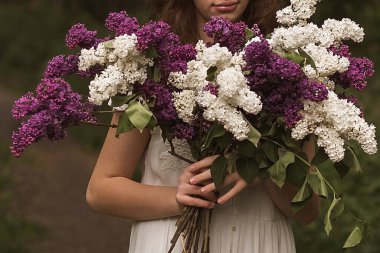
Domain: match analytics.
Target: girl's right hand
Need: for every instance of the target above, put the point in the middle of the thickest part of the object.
(192, 195)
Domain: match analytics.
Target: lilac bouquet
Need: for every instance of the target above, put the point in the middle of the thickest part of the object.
(251, 99)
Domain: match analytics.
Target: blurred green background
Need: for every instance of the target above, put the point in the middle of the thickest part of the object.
(42, 195)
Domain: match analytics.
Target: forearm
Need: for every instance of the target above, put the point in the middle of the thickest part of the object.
(123, 197)
(282, 198)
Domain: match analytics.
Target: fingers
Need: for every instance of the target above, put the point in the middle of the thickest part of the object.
(202, 164)
(230, 179)
(204, 176)
(191, 201)
(239, 186)
(197, 190)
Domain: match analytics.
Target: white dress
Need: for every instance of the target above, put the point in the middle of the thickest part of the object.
(249, 223)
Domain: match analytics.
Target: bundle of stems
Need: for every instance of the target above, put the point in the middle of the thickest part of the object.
(194, 227)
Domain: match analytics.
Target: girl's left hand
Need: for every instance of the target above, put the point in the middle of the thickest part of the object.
(203, 177)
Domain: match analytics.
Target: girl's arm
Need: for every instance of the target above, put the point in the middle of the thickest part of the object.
(112, 191)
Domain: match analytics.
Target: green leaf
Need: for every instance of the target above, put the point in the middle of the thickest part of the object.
(308, 58)
(249, 34)
(219, 171)
(139, 115)
(156, 74)
(108, 44)
(215, 131)
(320, 157)
(124, 124)
(151, 52)
(350, 162)
(272, 130)
(302, 196)
(152, 123)
(254, 135)
(296, 173)
(118, 101)
(247, 168)
(335, 210)
(211, 73)
(246, 148)
(277, 171)
(224, 141)
(318, 184)
(270, 151)
(290, 142)
(294, 57)
(354, 239)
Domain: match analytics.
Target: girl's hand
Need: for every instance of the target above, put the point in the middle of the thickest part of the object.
(202, 174)
(189, 194)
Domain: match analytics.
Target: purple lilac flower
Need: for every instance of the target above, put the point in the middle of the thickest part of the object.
(184, 131)
(175, 59)
(164, 108)
(54, 107)
(61, 65)
(26, 105)
(359, 70)
(92, 72)
(151, 34)
(213, 89)
(313, 90)
(79, 35)
(280, 82)
(226, 33)
(121, 23)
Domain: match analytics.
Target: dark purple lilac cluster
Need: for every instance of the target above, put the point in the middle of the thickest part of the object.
(360, 69)
(173, 55)
(226, 33)
(79, 35)
(175, 59)
(152, 34)
(280, 82)
(164, 108)
(184, 131)
(121, 23)
(54, 107)
(213, 89)
(61, 65)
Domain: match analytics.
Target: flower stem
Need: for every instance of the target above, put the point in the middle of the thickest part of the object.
(113, 111)
(173, 153)
(99, 124)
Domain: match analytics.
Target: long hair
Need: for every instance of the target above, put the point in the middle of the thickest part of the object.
(180, 14)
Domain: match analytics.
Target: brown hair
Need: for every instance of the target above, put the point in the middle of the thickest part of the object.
(180, 14)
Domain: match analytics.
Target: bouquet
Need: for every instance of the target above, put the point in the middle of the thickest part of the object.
(254, 100)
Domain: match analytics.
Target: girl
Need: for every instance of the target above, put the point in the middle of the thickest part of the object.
(247, 218)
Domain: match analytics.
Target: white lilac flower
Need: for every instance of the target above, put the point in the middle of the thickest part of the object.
(125, 46)
(230, 82)
(124, 66)
(298, 36)
(110, 82)
(233, 87)
(333, 121)
(344, 29)
(297, 12)
(184, 102)
(213, 56)
(327, 63)
(91, 57)
(216, 109)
